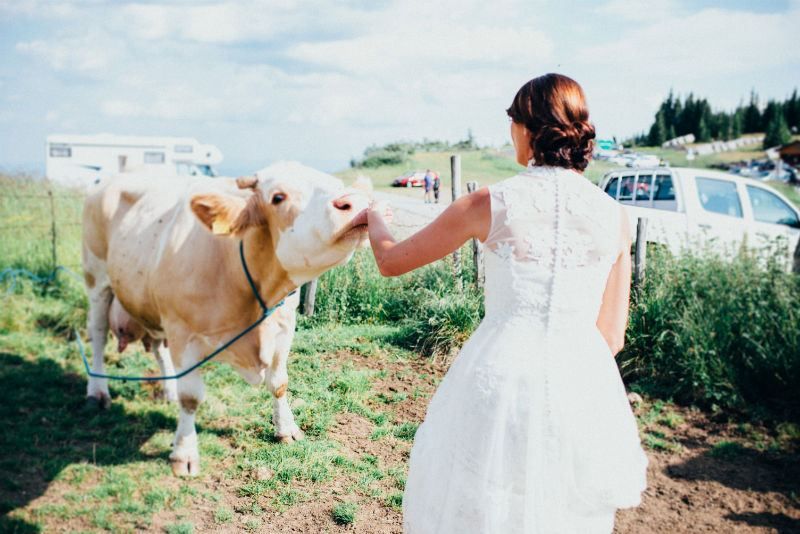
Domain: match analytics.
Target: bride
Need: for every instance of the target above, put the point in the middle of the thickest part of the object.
(530, 430)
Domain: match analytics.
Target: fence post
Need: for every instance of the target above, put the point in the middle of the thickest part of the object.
(640, 254)
(477, 249)
(310, 298)
(53, 228)
(455, 181)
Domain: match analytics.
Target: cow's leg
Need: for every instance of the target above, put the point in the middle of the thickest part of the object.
(286, 430)
(99, 305)
(164, 359)
(185, 457)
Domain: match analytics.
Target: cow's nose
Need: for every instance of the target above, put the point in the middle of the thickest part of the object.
(343, 203)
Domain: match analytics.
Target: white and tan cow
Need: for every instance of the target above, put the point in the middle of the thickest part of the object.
(168, 251)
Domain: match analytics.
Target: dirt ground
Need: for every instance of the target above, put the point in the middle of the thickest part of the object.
(690, 488)
(706, 474)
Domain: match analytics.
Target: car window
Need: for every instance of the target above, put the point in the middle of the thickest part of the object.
(769, 208)
(626, 188)
(664, 190)
(719, 196)
(644, 186)
(612, 186)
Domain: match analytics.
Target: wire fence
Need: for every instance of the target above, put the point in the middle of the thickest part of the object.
(40, 228)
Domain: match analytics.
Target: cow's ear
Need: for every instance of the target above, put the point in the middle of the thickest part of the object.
(247, 182)
(218, 212)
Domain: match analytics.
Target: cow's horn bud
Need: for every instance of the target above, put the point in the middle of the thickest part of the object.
(247, 182)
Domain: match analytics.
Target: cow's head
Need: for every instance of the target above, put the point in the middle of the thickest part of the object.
(309, 215)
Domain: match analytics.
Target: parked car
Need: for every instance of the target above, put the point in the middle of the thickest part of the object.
(412, 179)
(692, 208)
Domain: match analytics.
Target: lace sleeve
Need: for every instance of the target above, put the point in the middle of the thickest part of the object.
(498, 210)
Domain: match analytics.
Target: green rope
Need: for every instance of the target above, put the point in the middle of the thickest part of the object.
(265, 312)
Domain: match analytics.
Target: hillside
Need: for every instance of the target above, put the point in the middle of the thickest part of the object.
(488, 166)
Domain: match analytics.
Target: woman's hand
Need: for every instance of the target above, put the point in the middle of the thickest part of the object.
(382, 210)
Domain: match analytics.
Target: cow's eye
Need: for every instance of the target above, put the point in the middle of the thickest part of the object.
(277, 198)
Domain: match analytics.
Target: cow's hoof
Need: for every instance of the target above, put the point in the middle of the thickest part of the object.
(296, 435)
(100, 402)
(185, 467)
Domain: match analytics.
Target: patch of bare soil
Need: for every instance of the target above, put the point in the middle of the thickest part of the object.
(689, 490)
(411, 383)
(708, 488)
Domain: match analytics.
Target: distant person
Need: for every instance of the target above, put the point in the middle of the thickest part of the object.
(530, 431)
(428, 181)
(436, 185)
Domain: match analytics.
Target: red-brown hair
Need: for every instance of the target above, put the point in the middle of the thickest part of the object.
(553, 108)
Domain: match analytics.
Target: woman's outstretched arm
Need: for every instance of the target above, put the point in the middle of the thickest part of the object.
(612, 321)
(468, 217)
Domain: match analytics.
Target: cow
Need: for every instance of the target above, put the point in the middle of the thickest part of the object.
(169, 252)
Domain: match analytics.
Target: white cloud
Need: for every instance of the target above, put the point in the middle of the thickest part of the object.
(230, 22)
(637, 11)
(92, 51)
(38, 8)
(405, 49)
(712, 42)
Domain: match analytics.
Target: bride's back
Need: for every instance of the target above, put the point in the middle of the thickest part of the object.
(553, 240)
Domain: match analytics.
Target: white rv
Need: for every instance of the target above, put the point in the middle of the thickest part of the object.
(81, 160)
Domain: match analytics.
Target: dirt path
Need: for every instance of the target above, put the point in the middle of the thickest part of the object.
(704, 475)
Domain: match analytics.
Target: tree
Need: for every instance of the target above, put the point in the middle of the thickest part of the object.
(752, 115)
(791, 112)
(703, 133)
(777, 132)
(736, 123)
(658, 132)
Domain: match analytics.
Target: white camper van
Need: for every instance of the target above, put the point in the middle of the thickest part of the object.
(81, 160)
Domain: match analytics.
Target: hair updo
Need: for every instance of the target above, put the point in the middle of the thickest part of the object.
(553, 108)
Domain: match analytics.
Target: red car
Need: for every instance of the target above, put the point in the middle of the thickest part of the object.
(412, 179)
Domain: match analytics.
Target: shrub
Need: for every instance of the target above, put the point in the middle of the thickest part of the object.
(717, 333)
(435, 319)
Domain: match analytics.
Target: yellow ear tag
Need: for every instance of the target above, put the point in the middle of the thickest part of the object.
(220, 227)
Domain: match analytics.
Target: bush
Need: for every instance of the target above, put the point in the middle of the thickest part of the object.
(717, 333)
(435, 319)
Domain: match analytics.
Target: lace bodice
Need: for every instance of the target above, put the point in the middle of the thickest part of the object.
(553, 240)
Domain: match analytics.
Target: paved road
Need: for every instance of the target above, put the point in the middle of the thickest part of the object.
(409, 214)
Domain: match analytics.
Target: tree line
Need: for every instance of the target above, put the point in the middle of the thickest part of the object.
(676, 117)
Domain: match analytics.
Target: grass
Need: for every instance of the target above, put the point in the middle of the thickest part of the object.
(108, 470)
(345, 513)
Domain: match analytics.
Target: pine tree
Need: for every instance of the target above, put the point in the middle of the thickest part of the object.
(703, 133)
(791, 112)
(752, 115)
(736, 123)
(777, 132)
(658, 132)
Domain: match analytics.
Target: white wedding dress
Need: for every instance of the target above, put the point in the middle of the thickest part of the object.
(530, 430)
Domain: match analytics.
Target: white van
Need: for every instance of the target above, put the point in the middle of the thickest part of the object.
(80, 160)
(691, 208)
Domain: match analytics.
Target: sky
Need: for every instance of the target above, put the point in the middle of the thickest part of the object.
(318, 81)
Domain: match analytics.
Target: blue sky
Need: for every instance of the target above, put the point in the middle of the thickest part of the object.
(318, 81)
